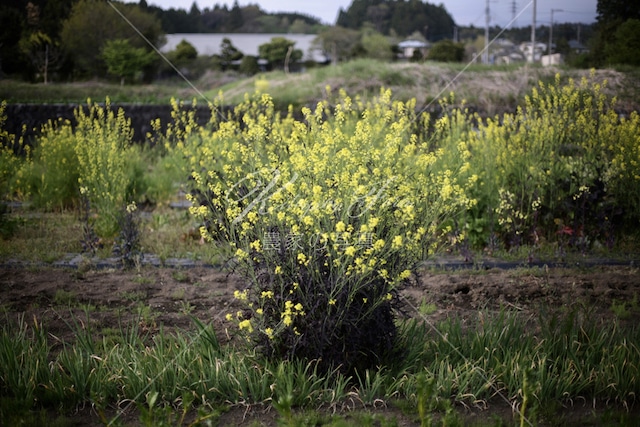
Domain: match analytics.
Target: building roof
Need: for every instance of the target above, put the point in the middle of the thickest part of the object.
(415, 44)
(248, 44)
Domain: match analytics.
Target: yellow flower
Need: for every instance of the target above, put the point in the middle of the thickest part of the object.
(267, 294)
(241, 254)
(269, 332)
(341, 227)
(240, 295)
(287, 320)
(302, 258)
(332, 302)
(255, 245)
(397, 242)
(278, 270)
(350, 251)
(259, 311)
(229, 317)
(245, 324)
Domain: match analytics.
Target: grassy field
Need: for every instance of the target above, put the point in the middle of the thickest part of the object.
(320, 310)
(490, 90)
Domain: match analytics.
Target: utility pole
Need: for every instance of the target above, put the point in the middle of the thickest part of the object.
(551, 31)
(533, 34)
(485, 55)
(514, 8)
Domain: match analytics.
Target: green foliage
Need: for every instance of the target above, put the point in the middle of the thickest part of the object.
(11, 164)
(228, 53)
(280, 52)
(377, 46)
(55, 168)
(338, 43)
(103, 140)
(325, 244)
(565, 358)
(123, 60)
(249, 65)
(446, 51)
(92, 23)
(625, 45)
(182, 56)
(564, 168)
(399, 17)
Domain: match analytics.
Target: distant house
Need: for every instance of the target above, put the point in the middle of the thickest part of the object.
(537, 51)
(505, 52)
(409, 47)
(554, 59)
(248, 44)
(577, 47)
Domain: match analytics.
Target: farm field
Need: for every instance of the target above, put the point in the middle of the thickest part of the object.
(164, 299)
(357, 258)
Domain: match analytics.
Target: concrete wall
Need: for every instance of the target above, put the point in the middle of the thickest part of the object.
(32, 117)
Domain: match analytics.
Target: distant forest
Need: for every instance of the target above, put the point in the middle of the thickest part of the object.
(389, 17)
(68, 36)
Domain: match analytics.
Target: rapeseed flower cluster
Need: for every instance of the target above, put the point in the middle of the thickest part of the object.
(328, 215)
(565, 161)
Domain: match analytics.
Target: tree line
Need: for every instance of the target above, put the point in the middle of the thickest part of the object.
(74, 39)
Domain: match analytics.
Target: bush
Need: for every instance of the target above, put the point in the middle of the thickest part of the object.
(446, 51)
(565, 169)
(327, 217)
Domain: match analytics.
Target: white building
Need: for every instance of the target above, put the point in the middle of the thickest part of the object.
(539, 49)
(209, 44)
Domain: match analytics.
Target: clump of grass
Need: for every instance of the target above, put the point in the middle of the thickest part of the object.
(571, 356)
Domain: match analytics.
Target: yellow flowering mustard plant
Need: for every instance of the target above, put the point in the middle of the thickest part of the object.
(102, 142)
(325, 214)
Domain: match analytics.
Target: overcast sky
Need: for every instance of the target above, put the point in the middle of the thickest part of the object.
(464, 12)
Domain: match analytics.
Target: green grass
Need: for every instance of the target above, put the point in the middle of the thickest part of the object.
(485, 87)
(53, 236)
(564, 359)
(15, 92)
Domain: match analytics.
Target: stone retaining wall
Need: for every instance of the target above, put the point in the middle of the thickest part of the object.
(33, 116)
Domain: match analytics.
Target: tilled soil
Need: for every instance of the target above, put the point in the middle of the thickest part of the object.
(167, 298)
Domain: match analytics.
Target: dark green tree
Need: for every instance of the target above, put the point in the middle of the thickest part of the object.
(123, 60)
(12, 23)
(624, 47)
(611, 15)
(401, 17)
(338, 43)
(249, 65)
(43, 53)
(236, 19)
(228, 53)
(92, 23)
(184, 52)
(280, 52)
(446, 51)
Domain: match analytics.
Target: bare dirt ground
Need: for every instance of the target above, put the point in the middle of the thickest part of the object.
(167, 297)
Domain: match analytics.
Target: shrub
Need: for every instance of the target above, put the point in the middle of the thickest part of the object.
(103, 139)
(327, 217)
(564, 167)
(55, 169)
